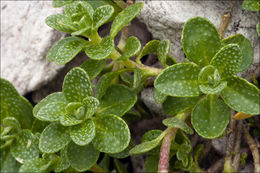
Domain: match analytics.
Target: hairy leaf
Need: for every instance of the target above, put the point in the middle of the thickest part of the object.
(163, 50)
(69, 120)
(200, 40)
(83, 133)
(151, 135)
(60, 3)
(124, 153)
(150, 47)
(124, 17)
(209, 89)
(112, 134)
(251, 5)
(102, 15)
(93, 67)
(34, 165)
(210, 117)
(78, 9)
(101, 50)
(91, 104)
(246, 49)
(131, 49)
(118, 100)
(177, 123)
(11, 122)
(7, 161)
(241, 96)
(82, 158)
(61, 23)
(180, 80)
(76, 85)
(227, 60)
(53, 138)
(63, 162)
(159, 97)
(66, 49)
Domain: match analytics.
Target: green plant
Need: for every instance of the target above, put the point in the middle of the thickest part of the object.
(73, 126)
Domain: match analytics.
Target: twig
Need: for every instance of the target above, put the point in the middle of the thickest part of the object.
(254, 149)
(226, 18)
(236, 159)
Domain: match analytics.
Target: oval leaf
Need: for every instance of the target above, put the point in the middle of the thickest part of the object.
(93, 67)
(159, 97)
(76, 85)
(251, 5)
(227, 60)
(82, 158)
(102, 15)
(60, 3)
(83, 133)
(180, 80)
(63, 162)
(200, 40)
(209, 89)
(177, 123)
(53, 138)
(241, 96)
(69, 120)
(60, 22)
(101, 50)
(131, 49)
(163, 50)
(91, 104)
(210, 117)
(124, 17)
(112, 134)
(66, 49)
(34, 165)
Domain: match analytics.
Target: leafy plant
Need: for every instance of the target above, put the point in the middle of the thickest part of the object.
(67, 130)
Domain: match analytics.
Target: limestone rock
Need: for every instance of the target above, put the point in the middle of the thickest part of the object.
(25, 40)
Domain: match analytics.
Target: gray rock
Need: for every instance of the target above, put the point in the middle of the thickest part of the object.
(25, 40)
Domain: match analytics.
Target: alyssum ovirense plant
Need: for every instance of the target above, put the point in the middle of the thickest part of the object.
(67, 130)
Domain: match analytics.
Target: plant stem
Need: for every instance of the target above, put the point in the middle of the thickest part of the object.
(96, 169)
(254, 149)
(236, 159)
(226, 18)
(163, 165)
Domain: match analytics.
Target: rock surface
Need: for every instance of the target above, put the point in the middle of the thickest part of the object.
(25, 40)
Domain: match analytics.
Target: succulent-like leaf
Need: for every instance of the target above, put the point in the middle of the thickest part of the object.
(209, 89)
(251, 5)
(101, 50)
(246, 49)
(83, 133)
(69, 120)
(151, 163)
(124, 17)
(177, 123)
(124, 153)
(258, 29)
(76, 85)
(7, 161)
(205, 72)
(163, 50)
(147, 145)
(102, 15)
(159, 97)
(180, 80)
(210, 117)
(200, 40)
(131, 49)
(112, 134)
(78, 9)
(82, 158)
(139, 79)
(61, 23)
(51, 111)
(60, 3)
(93, 67)
(227, 60)
(66, 49)
(25, 148)
(72, 107)
(119, 166)
(34, 165)
(241, 96)
(118, 100)
(12, 104)
(53, 138)
(11, 122)
(150, 47)
(127, 78)
(151, 135)
(63, 162)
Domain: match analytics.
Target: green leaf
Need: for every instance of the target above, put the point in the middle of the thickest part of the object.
(54, 97)
(34, 165)
(258, 29)
(175, 105)
(124, 17)
(151, 163)
(53, 138)
(83, 133)
(128, 78)
(105, 163)
(78, 10)
(112, 134)
(91, 104)
(63, 162)
(151, 135)
(82, 158)
(159, 97)
(60, 22)
(93, 67)
(200, 40)
(14, 105)
(180, 80)
(119, 166)
(101, 50)
(139, 79)
(8, 163)
(146, 146)
(12, 122)
(102, 15)
(246, 49)
(25, 148)
(76, 85)
(118, 100)
(150, 47)
(209, 89)
(131, 49)
(51, 111)
(241, 96)
(66, 49)
(251, 5)
(227, 60)
(163, 50)
(124, 153)
(210, 117)
(72, 107)
(69, 120)
(60, 3)
(177, 123)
